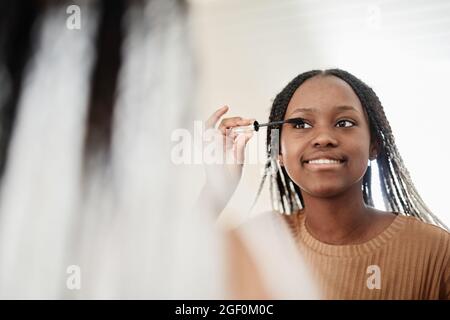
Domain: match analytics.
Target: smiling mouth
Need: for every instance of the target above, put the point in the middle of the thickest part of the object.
(324, 164)
(324, 161)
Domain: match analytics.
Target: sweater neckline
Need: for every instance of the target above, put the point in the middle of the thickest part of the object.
(350, 249)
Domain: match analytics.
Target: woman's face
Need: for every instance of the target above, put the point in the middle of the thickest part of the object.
(336, 128)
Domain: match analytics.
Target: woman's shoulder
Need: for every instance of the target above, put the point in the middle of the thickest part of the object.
(425, 233)
(423, 228)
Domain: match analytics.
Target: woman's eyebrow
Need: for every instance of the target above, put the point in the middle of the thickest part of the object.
(337, 109)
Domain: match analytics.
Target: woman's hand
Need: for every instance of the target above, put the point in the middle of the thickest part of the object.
(224, 170)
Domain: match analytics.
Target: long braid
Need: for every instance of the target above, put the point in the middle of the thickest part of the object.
(398, 190)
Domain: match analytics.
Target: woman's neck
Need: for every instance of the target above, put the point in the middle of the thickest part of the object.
(343, 219)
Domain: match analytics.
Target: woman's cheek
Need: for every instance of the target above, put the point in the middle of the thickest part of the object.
(292, 165)
(363, 167)
(358, 163)
(291, 157)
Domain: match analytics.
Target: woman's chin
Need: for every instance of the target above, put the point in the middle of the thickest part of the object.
(324, 191)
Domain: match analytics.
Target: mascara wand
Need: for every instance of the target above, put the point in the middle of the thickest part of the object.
(256, 125)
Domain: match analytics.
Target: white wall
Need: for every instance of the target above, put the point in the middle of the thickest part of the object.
(249, 50)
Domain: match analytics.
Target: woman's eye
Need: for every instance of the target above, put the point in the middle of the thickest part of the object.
(303, 124)
(344, 121)
(300, 125)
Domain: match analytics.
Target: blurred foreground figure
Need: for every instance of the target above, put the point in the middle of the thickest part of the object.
(91, 205)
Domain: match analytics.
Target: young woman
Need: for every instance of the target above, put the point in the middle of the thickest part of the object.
(320, 179)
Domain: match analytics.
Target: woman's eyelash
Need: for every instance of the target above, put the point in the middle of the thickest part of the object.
(297, 123)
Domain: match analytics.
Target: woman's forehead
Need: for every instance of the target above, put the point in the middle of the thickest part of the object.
(323, 95)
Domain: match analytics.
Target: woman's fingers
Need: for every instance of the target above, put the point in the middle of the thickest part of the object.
(232, 141)
(239, 146)
(228, 123)
(214, 118)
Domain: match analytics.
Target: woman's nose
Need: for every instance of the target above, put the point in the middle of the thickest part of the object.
(324, 139)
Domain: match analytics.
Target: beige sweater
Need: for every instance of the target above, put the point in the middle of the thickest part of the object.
(408, 260)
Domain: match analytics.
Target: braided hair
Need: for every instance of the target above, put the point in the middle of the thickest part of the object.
(398, 190)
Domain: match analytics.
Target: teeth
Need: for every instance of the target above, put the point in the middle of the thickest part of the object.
(324, 161)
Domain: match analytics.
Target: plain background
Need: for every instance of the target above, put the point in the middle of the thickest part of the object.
(247, 51)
